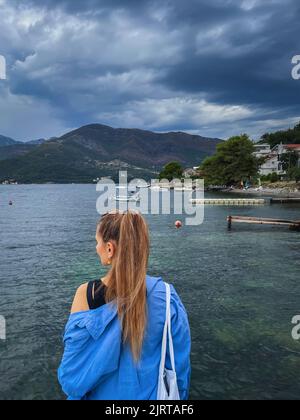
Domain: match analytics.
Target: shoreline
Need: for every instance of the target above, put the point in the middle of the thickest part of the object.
(264, 192)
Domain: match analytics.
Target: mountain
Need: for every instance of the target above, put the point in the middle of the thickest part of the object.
(15, 150)
(10, 148)
(36, 142)
(7, 141)
(97, 150)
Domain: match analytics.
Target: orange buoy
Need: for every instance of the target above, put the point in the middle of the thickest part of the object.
(178, 224)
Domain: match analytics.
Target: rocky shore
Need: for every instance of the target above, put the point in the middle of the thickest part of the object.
(279, 189)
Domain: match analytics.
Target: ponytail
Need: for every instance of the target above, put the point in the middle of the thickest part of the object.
(127, 277)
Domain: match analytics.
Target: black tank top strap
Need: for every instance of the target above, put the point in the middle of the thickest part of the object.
(90, 290)
(95, 294)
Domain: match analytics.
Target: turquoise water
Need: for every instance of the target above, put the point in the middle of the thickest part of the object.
(240, 288)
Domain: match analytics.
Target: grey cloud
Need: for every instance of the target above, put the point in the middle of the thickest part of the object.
(119, 62)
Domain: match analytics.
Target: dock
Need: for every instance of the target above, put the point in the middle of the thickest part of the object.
(291, 224)
(284, 200)
(229, 201)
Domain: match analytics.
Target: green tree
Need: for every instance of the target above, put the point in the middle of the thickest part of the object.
(172, 170)
(294, 174)
(289, 160)
(233, 162)
(274, 177)
(291, 135)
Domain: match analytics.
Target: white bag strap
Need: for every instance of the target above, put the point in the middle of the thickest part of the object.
(167, 329)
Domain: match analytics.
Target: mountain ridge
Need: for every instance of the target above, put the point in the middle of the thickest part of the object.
(88, 152)
(7, 141)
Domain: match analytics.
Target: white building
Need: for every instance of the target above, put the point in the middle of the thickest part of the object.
(272, 159)
(286, 148)
(189, 172)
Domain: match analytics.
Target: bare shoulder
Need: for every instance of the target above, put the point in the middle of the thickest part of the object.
(80, 302)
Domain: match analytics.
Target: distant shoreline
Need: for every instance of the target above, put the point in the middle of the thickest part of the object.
(46, 183)
(265, 192)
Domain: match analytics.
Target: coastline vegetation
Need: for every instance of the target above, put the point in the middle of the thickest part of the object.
(172, 170)
(285, 137)
(234, 164)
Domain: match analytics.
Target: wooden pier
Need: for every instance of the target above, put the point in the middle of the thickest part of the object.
(229, 201)
(291, 224)
(284, 200)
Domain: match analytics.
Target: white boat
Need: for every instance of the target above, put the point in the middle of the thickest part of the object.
(183, 189)
(134, 198)
(126, 197)
(158, 188)
(142, 184)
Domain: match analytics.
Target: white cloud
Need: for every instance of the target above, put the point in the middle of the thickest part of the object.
(249, 5)
(153, 113)
(198, 116)
(254, 127)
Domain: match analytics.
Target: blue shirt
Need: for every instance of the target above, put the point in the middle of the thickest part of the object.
(97, 366)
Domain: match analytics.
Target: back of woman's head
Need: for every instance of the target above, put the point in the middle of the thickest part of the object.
(127, 277)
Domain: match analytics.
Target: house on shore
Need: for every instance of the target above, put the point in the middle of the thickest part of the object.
(190, 172)
(273, 157)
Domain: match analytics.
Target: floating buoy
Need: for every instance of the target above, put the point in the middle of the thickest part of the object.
(178, 224)
(10, 203)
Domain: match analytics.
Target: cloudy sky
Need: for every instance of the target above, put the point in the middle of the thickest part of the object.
(213, 67)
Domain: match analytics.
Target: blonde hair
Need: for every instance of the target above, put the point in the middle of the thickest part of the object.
(127, 277)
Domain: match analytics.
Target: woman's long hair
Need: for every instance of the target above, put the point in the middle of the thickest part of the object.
(127, 277)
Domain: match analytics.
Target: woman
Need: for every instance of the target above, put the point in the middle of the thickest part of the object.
(114, 335)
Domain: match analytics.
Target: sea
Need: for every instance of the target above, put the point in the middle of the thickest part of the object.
(241, 290)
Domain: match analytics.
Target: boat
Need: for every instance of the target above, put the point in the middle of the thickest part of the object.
(184, 189)
(125, 198)
(158, 188)
(142, 184)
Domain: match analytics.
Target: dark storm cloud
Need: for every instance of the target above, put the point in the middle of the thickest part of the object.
(256, 75)
(74, 6)
(215, 67)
